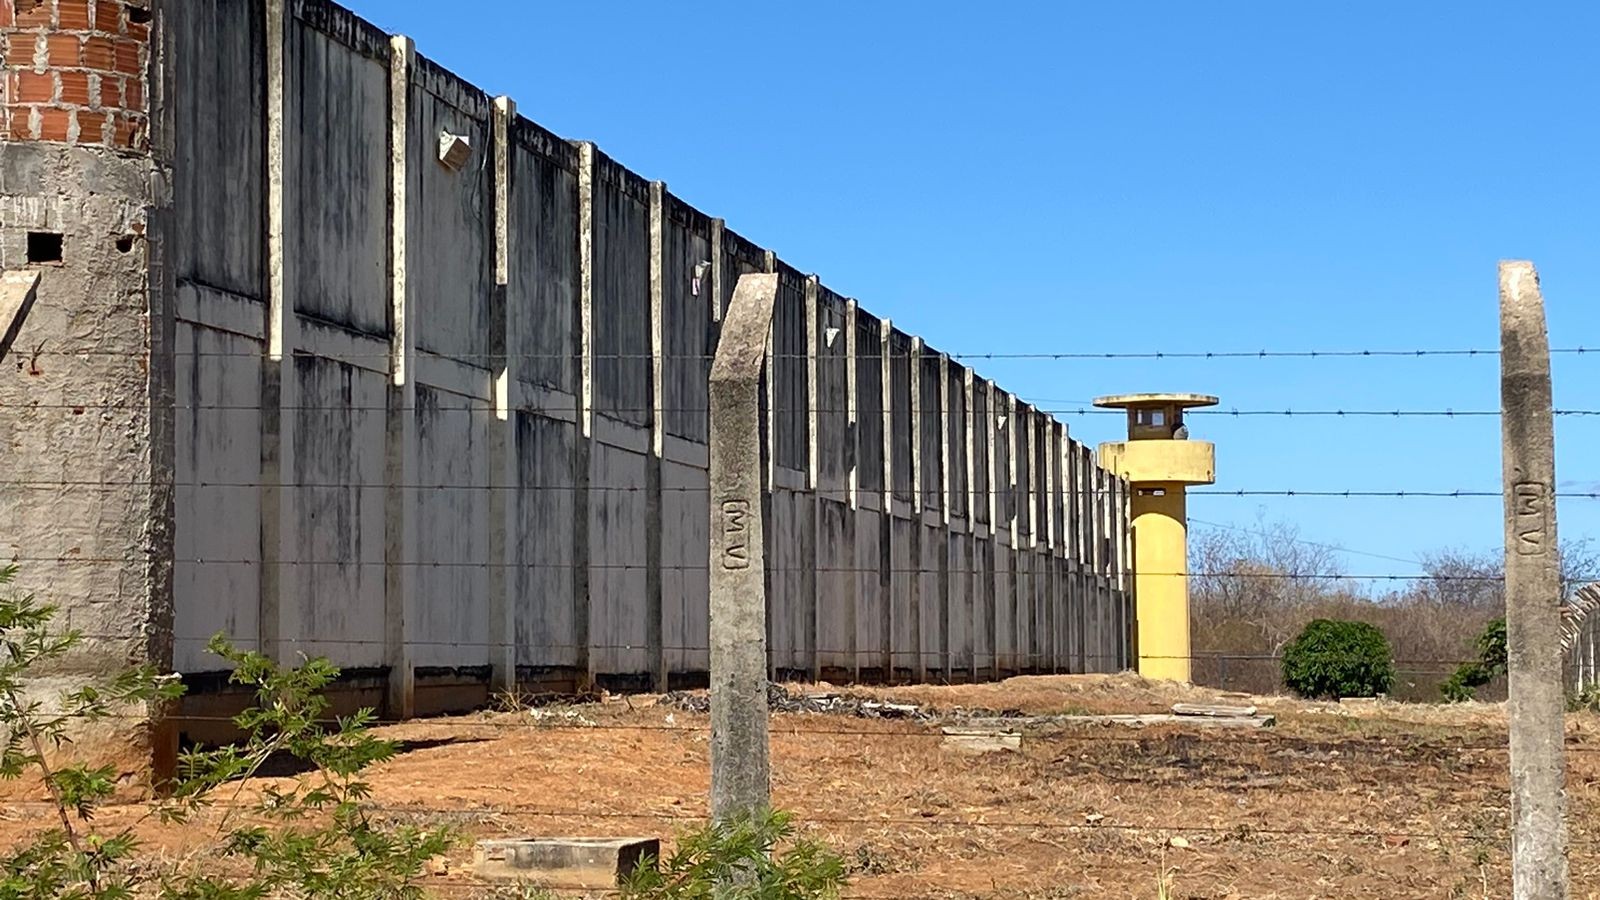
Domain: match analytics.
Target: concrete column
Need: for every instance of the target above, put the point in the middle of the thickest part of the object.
(581, 447)
(991, 574)
(505, 332)
(886, 521)
(1012, 426)
(1074, 549)
(920, 664)
(279, 620)
(400, 537)
(974, 580)
(1539, 868)
(718, 276)
(852, 603)
(946, 650)
(814, 606)
(740, 774)
(1055, 601)
(654, 612)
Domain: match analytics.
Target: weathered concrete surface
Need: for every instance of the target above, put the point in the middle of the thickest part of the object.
(740, 773)
(86, 442)
(17, 293)
(565, 863)
(1539, 869)
(450, 425)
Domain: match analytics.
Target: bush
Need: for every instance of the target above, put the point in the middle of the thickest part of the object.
(1491, 662)
(311, 838)
(742, 853)
(1330, 659)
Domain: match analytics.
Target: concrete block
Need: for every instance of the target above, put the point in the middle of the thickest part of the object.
(982, 740)
(588, 863)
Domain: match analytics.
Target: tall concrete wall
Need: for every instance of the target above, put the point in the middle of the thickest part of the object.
(446, 425)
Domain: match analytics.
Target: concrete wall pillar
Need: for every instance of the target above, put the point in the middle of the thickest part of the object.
(507, 325)
(400, 539)
(279, 623)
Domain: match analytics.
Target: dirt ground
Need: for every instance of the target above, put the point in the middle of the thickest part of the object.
(1385, 800)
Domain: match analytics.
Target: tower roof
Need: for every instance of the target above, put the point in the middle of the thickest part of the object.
(1139, 401)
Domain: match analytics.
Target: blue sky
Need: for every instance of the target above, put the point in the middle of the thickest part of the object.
(1074, 177)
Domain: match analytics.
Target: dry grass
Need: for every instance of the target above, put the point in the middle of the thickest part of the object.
(1334, 802)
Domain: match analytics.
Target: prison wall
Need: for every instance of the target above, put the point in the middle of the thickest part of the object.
(439, 408)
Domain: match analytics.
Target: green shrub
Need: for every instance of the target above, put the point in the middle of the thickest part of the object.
(1463, 684)
(309, 839)
(1330, 659)
(744, 853)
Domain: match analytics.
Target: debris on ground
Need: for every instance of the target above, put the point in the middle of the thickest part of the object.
(780, 699)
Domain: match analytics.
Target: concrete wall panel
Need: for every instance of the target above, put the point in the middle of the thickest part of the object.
(546, 631)
(218, 131)
(685, 579)
(450, 250)
(216, 583)
(337, 178)
(338, 567)
(837, 585)
(621, 312)
(451, 621)
(688, 328)
(543, 289)
(617, 560)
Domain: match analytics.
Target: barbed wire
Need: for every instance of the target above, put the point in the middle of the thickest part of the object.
(772, 569)
(600, 407)
(1017, 492)
(824, 353)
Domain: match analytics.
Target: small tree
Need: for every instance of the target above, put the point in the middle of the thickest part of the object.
(1330, 659)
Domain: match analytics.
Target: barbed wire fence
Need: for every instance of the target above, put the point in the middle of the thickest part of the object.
(1212, 664)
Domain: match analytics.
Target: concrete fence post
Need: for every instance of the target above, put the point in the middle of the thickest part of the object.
(740, 780)
(1539, 867)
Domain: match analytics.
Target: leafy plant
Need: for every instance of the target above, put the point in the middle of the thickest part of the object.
(1463, 684)
(1332, 659)
(311, 839)
(743, 855)
(73, 861)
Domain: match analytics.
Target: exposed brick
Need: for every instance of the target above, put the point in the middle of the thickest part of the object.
(100, 52)
(72, 15)
(34, 87)
(55, 124)
(8, 13)
(22, 123)
(92, 127)
(130, 132)
(108, 16)
(128, 60)
(133, 94)
(75, 88)
(105, 91)
(140, 30)
(63, 49)
(35, 13)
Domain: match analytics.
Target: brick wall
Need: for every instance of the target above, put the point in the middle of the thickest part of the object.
(74, 71)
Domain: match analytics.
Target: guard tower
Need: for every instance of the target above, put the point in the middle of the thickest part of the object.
(1160, 462)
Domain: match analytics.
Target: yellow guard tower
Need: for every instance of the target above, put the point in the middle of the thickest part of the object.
(1160, 462)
